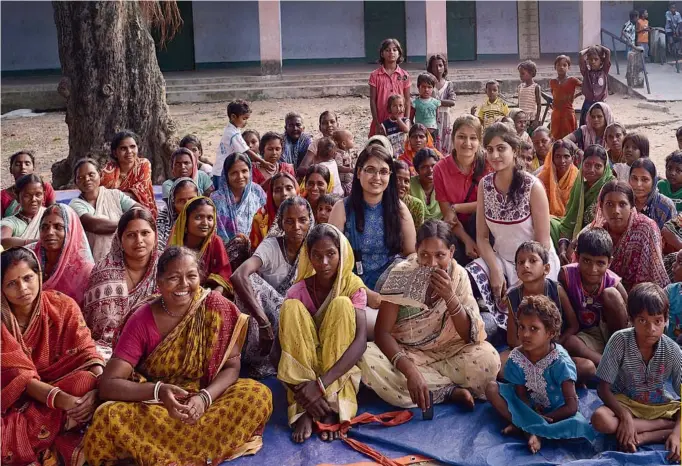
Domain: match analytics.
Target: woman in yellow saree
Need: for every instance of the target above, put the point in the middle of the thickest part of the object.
(429, 334)
(322, 333)
(189, 407)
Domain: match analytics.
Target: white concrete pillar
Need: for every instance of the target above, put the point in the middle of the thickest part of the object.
(528, 22)
(270, 31)
(436, 28)
(590, 23)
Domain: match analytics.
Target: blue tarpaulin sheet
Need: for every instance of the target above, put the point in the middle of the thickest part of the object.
(454, 436)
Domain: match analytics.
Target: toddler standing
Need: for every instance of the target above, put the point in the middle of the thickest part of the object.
(595, 63)
(633, 372)
(529, 92)
(344, 160)
(387, 80)
(426, 106)
(397, 125)
(540, 400)
(493, 107)
(563, 94)
(444, 91)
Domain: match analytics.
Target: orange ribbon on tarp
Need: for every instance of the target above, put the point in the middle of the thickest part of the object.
(393, 418)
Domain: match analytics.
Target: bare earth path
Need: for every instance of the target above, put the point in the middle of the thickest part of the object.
(47, 135)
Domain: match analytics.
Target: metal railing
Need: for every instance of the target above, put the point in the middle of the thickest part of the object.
(614, 55)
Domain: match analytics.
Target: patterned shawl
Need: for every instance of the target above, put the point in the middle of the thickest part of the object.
(640, 244)
(346, 282)
(108, 302)
(236, 218)
(265, 217)
(558, 191)
(425, 332)
(212, 253)
(580, 207)
(138, 181)
(168, 216)
(195, 351)
(659, 208)
(71, 274)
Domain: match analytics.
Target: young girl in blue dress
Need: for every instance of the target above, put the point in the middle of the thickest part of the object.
(540, 398)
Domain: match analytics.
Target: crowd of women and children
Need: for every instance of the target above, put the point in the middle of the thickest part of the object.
(125, 329)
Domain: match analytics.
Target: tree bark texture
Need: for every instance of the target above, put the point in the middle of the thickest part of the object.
(111, 81)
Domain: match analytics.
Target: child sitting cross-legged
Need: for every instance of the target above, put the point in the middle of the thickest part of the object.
(597, 297)
(637, 363)
(532, 268)
(540, 400)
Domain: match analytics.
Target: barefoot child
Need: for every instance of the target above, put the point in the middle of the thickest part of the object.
(444, 91)
(270, 148)
(324, 207)
(637, 363)
(563, 94)
(397, 125)
(671, 187)
(596, 295)
(532, 268)
(595, 63)
(326, 156)
(635, 146)
(387, 80)
(530, 100)
(493, 107)
(540, 398)
(344, 160)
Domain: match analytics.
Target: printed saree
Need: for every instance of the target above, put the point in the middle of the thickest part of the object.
(108, 302)
(70, 275)
(312, 345)
(212, 254)
(57, 349)
(558, 190)
(138, 181)
(190, 356)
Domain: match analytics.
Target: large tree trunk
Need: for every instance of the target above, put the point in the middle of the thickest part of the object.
(111, 82)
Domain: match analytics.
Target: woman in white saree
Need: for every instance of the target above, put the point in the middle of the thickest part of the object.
(99, 208)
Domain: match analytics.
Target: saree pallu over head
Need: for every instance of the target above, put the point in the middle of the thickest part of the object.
(196, 350)
(638, 254)
(108, 302)
(138, 181)
(589, 134)
(264, 220)
(427, 333)
(581, 207)
(212, 254)
(558, 190)
(55, 348)
(71, 274)
(234, 217)
(168, 216)
(346, 282)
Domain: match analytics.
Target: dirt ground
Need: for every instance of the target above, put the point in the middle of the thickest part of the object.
(47, 135)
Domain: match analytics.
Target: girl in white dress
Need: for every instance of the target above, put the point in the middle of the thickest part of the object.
(512, 206)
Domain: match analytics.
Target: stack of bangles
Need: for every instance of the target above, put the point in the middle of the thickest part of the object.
(51, 397)
(157, 387)
(206, 397)
(396, 357)
(321, 386)
(457, 310)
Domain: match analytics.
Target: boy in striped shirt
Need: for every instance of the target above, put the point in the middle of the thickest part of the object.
(493, 107)
(633, 371)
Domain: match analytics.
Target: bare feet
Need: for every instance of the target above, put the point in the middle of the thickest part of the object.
(534, 443)
(511, 429)
(303, 428)
(463, 397)
(331, 419)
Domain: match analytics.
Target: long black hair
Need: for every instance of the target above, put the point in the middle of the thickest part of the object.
(390, 201)
(509, 136)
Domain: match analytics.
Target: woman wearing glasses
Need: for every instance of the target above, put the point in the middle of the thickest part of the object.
(378, 225)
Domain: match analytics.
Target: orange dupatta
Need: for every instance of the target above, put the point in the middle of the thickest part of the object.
(138, 181)
(408, 154)
(558, 191)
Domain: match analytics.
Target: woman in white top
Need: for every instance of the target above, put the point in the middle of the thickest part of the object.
(99, 208)
(512, 206)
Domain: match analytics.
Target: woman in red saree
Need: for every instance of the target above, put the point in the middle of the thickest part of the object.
(189, 406)
(49, 368)
(128, 172)
(195, 228)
